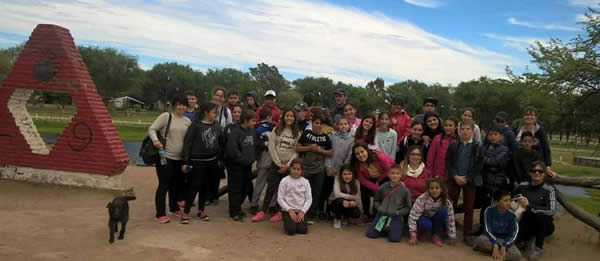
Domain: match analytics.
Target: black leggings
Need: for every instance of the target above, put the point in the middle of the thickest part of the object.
(535, 225)
(198, 183)
(339, 211)
(292, 228)
(238, 179)
(171, 180)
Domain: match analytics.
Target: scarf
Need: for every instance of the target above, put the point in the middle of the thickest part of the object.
(415, 173)
(343, 135)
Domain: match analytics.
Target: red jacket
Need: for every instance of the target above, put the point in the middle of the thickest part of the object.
(382, 162)
(402, 125)
(276, 112)
(416, 186)
(436, 157)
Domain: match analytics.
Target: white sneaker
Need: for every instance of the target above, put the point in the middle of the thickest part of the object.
(337, 223)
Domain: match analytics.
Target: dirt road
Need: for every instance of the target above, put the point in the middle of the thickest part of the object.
(40, 222)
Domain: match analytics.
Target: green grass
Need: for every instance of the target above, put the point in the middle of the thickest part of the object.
(126, 132)
(117, 115)
(592, 204)
(562, 162)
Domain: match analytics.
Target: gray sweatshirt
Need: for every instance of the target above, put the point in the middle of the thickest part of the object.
(342, 151)
(396, 204)
(294, 193)
(337, 192)
(387, 142)
(179, 126)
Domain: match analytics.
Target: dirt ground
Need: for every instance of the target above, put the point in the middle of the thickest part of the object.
(41, 222)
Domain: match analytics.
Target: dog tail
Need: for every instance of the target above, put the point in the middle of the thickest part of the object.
(130, 198)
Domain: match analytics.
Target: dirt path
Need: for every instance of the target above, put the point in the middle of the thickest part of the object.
(55, 223)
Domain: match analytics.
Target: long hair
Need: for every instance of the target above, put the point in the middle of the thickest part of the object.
(443, 194)
(428, 131)
(203, 110)
(452, 119)
(279, 129)
(389, 117)
(370, 139)
(352, 183)
(354, 161)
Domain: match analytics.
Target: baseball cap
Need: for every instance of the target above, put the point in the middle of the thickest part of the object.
(502, 116)
(340, 92)
(270, 92)
(432, 100)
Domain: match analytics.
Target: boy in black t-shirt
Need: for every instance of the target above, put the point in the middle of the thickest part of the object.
(315, 147)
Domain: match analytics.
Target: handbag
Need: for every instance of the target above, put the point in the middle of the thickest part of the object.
(148, 152)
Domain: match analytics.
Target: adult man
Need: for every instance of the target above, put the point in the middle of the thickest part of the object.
(340, 102)
(270, 102)
(429, 105)
(192, 104)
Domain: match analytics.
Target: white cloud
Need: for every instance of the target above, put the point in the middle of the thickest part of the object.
(424, 3)
(585, 3)
(514, 21)
(8, 41)
(515, 42)
(300, 37)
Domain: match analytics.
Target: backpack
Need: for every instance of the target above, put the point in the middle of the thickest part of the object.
(148, 152)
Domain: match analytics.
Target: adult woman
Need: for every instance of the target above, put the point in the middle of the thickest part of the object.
(224, 118)
(415, 172)
(169, 175)
(371, 167)
(467, 115)
(541, 144)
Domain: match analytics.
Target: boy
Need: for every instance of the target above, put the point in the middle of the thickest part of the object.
(464, 161)
(524, 157)
(251, 101)
(190, 111)
(233, 98)
(495, 158)
(501, 122)
(315, 147)
(270, 102)
(240, 154)
(500, 230)
(264, 159)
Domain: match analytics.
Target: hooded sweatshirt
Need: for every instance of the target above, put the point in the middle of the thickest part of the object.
(203, 142)
(240, 145)
(436, 156)
(342, 150)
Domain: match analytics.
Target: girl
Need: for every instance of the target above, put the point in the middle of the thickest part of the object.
(366, 132)
(387, 139)
(202, 154)
(467, 115)
(371, 168)
(295, 197)
(223, 119)
(432, 127)
(431, 211)
(282, 149)
(344, 201)
(393, 201)
(415, 172)
(170, 177)
(350, 114)
(236, 113)
(541, 144)
(415, 138)
(436, 158)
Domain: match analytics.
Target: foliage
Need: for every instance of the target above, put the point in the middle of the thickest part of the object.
(269, 78)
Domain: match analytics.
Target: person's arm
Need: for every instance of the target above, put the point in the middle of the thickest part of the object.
(450, 222)
(327, 150)
(366, 182)
(543, 136)
(394, 144)
(233, 146)
(407, 123)
(272, 149)
(158, 125)
(477, 165)
(415, 213)
(348, 154)
(510, 239)
(477, 134)
(487, 228)
(307, 196)
(450, 161)
(549, 204)
(431, 156)
(188, 141)
(281, 195)
(406, 208)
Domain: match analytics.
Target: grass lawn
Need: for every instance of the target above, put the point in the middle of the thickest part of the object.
(69, 110)
(126, 132)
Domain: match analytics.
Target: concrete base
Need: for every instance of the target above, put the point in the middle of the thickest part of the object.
(587, 161)
(76, 179)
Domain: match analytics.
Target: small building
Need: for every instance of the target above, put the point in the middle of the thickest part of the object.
(125, 102)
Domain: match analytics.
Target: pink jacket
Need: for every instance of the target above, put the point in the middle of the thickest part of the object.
(382, 162)
(436, 157)
(416, 186)
(402, 124)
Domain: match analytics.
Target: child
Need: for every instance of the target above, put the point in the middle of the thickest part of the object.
(223, 119)
(539, 199)
(393, 203)
(201, 149)
(431, 211)
(233, 99)
(436, 158)
(264, 160)
(432, 126)
(387, 139)
(344, 201)
(350, 114)
(282, 150)
(500, 230)
(415, 173)
(236, 113)
(524, 157)
(371, 168)
(400, 120)
(495, 158)
(251, 101)
(295, 198)
(366, 132)
(467, 115)
(464, 161)
(315, 147)
(415, 138)
(240, 156)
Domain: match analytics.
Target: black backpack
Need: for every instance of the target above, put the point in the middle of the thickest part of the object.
(148, 152)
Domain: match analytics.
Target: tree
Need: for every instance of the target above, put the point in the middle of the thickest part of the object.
(376, 87)
(230, 79)
(269, 78)
(5, 66)
(166, 80)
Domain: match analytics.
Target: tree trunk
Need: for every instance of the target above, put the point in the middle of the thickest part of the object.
(577, 212)
(561, 136)
(568, 134)
(586, 182)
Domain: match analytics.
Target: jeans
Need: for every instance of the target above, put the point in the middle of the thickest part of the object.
(292, 228)
(339, 211)
(468, 203)
(316, 187)
(435, 223)
(394, 232)
(239, 180)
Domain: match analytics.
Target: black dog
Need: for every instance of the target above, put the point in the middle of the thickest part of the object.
(118, 211)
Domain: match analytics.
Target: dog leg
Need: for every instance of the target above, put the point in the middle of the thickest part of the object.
(123, 228)
(111, 231)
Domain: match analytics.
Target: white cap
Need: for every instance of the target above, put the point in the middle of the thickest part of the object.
(270, 92)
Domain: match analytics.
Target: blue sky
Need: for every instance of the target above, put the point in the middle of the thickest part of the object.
(353, 41)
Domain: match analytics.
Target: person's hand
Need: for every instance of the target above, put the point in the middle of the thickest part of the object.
(331, 173)
(293, 216)
(220, 164)
(184, 168)
(551, 173)
(314, 148)
(524, 202)
(283, 168)
(300, 216)
(346, 203)
(460, 180)
(495, 252)
(452, 242)
(426, 139)
(413, 240)
(502, 253)
(157, 144)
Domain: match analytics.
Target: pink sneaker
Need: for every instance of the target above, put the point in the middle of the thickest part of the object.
(162, 220)
(436, 240)
(177, 213)
(203, 216)
(260, 216)
(277, 217)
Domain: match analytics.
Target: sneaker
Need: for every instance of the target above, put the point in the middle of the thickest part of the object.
(254, 210)
(181, 203)
(337, 223)
(203, 216)
(184, 219)
(277, 217)
(436, 240)
(344, 222)
(243, 214)
(260, 216)
(468, 240)
(310, 222)
(536, 255)
(238, 218)
(177, 213)
(526, 247)
(323, 217)
(162, 220)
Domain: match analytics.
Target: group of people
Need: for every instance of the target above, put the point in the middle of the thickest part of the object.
(387, 170)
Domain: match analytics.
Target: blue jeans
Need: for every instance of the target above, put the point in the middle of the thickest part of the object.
(394, 232)
(436, 223)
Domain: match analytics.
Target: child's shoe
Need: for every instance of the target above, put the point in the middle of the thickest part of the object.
(436, 240)
(184, 219)
(536, 255)
(260, 216)
(337, 223)
(177, 213)
(162, 220)
(203, 216)
(277, 217)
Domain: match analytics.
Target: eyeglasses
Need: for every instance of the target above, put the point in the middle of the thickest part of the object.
(538, 171)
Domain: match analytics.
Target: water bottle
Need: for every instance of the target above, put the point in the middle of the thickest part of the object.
(161, 154)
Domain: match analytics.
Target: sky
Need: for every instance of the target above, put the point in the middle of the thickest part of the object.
(353, 41)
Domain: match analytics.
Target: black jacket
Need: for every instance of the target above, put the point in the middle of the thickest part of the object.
(542, 198)
(523, 160)
(202, 142)
(241, 145)
(474, 173)
(541, 143)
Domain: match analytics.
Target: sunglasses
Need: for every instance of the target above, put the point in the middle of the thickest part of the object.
(538, 171)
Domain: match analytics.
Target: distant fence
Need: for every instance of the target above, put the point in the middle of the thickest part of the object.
(58, 118)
